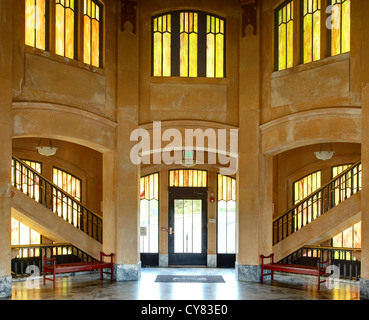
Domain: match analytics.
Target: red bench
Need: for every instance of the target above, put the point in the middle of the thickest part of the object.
(318, 271)
(77, 266)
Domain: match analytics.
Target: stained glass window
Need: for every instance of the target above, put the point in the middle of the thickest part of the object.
(301, 190)
(188, 178)
(226, 215)
(162, 45)
(347, 185)
(25, 180)
(149, 213)
(65, 28)
(215, 47)
(35, 23)
(349, 238)
(341, 25)
(306, 186)
(92, 17)
(284, 35)
(22, 234)
(64, 206)
(311, 30)
(188, 44)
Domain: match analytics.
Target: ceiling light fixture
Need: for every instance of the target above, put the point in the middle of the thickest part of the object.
(46, 151)
(324, 155)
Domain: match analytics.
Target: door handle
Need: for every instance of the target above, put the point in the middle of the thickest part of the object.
(171, 230)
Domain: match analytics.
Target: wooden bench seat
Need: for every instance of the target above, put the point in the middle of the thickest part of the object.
(318, 271)
(77, 266)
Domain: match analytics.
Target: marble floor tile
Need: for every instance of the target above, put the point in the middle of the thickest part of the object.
(88, 286)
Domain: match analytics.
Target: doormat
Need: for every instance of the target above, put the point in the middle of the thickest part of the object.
(190, 278)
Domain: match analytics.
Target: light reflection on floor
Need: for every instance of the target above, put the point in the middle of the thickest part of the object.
(88, 286)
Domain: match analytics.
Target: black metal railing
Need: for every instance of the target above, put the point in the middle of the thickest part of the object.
(28, 257)
(37, 187)
(316, 204)
(346, 259)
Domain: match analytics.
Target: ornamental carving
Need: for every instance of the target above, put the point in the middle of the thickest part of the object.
(249, 15)
(128, 11)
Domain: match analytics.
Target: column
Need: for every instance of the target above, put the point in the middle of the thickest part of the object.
(127, 262)
(6, 43)
(364, 281)
(360, 12)
(249, 237)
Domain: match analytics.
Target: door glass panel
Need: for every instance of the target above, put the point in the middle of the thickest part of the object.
(187, 225)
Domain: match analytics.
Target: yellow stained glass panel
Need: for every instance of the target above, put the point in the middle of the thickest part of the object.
(35, 23)
(91, 33)
(340, 32)
(285, 36)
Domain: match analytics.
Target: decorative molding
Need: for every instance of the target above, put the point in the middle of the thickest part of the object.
(128, 13)
(249, 15)
(340, 113)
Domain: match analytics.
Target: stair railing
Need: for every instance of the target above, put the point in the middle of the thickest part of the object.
(26, 257)
(317, 203)
(37, 187)
(346, 259)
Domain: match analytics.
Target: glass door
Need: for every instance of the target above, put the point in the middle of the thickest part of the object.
(187, 226)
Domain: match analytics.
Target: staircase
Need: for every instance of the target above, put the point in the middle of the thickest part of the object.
(45, 207)
(329, 210)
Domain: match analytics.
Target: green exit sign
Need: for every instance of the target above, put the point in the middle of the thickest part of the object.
(188, 154)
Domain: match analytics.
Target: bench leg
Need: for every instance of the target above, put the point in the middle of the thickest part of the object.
(54, 279)
(262, 275)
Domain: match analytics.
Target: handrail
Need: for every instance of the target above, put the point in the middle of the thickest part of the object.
(317, 203)
(37, 187)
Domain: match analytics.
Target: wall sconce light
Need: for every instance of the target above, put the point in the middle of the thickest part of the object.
(324, 155)
(46, 151)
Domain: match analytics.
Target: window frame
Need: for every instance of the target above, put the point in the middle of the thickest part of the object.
(179, 186)
(47, 26)
(201, 44)
(276, 35)
(226, 203)
(302, 31)
(101, 33)
(294, 202)
(150, 251)
(73, 176)
(76, 11)
(329, 35)
(78, 44)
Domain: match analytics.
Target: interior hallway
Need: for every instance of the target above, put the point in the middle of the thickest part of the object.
(88, 286)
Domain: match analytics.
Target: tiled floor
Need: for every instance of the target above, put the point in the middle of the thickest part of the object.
(88, 286)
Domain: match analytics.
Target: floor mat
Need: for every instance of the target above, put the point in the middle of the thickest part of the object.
(190, 278)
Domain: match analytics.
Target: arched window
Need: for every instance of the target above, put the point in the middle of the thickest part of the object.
(188, 44)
